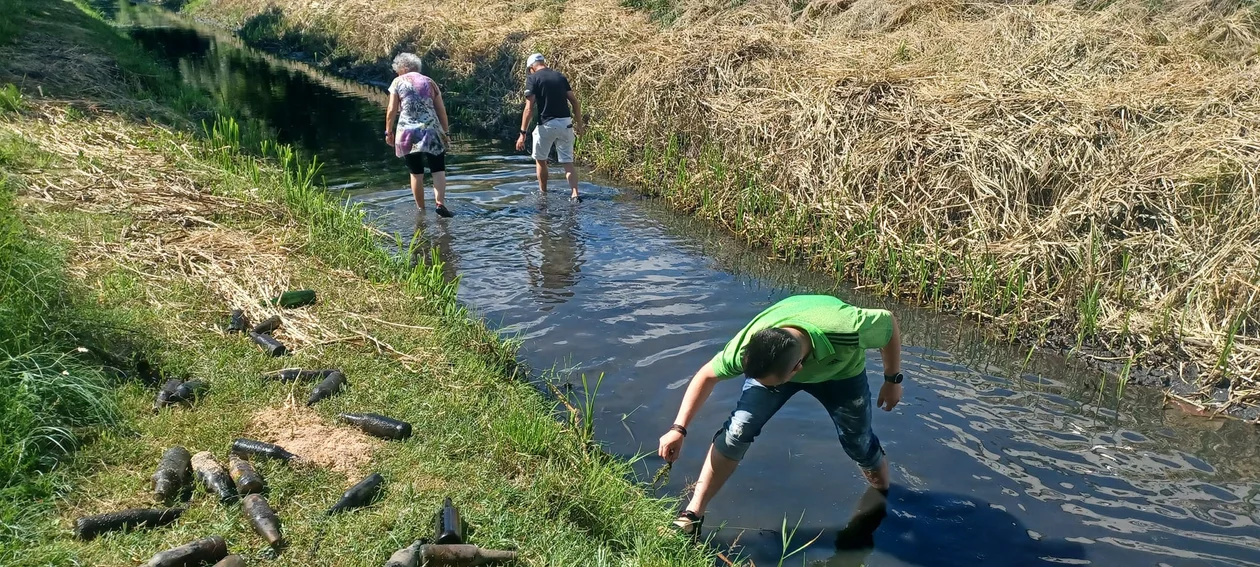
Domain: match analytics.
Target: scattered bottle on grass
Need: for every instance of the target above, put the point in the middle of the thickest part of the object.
(332, 384)
(378, 425)
(189, 391)
(247, 480)
(237, 322)
(295, 374)
(449, 529)
(294, 298)
(267, 326)
(406, 557)
(269, 344)
(205, 550)
(214, 477)
(173, 474)
(461, 555)
(359, 495)
(231, 561)
(264, 519)
(251, 448)
(91, 526)
(164, 394)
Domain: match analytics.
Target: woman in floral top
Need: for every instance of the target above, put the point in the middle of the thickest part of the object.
(415, 103)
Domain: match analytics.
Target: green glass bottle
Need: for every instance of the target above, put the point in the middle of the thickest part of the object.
(294, 298)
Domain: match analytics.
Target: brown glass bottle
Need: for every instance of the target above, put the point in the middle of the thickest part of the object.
(378, 425)
(205, 550)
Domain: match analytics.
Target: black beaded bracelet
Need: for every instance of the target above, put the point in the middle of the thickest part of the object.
(678, 428)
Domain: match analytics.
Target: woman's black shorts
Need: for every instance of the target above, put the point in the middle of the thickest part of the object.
(415, 162)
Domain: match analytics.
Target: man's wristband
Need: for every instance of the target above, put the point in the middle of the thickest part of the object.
(523, 132)
(678, 428)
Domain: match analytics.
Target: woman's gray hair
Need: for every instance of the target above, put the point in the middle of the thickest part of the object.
(407, 62)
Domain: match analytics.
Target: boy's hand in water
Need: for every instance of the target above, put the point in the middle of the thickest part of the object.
(889, 396)
(671, 446)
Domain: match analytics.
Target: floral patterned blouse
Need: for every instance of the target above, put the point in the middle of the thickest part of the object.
(418, 127)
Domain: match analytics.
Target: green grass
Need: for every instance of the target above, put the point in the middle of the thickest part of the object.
(522, 477)
(47, 391)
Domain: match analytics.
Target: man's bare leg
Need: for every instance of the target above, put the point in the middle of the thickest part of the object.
(714, 474)
(571, 176)
(541, 167)
(879, 479)
(417, 190)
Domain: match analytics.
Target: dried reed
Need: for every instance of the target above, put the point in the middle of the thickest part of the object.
(1091, 167)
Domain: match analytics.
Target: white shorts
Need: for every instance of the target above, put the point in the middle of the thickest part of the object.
(556, 132)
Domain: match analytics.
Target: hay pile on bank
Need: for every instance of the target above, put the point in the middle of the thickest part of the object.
(1073, 171)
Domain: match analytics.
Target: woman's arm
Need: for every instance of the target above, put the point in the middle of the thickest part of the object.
(440, 107)
(391, 116)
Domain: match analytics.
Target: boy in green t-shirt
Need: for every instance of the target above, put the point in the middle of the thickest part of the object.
(811, 343)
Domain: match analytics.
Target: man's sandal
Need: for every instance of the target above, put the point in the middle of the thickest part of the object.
(689, 524)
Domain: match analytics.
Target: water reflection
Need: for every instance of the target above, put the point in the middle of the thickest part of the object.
(435, 234)
(553, 254)
(999, 458)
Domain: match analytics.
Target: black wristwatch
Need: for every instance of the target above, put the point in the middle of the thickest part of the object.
(523, 132)
(894, 379)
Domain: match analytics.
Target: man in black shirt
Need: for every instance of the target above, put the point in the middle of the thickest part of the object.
(549, 92)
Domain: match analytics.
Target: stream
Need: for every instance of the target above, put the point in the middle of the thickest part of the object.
(999, 458)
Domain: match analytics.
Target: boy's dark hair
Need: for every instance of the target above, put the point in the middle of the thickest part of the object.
(772, 351)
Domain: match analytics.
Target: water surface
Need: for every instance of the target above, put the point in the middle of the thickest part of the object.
(999, 459)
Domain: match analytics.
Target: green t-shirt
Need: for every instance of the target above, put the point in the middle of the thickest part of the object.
(840, 334)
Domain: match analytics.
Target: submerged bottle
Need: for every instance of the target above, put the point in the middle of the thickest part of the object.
(449, 529)
(173, 474)
(267, 326)
(237, 322)
(359, 495)
(329, 386)
(264, 519)
(205, 550)
(294, 298)
(213, 476)
(295, 374)
(247, 480)
(378, 425)
(461, 555)
(91, 526)
(269, 344)
(406, 557)
(251, 448)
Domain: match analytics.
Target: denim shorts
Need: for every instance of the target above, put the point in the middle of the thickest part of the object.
(847, 401)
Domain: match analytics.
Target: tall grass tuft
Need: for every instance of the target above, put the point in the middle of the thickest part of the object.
(47, 393)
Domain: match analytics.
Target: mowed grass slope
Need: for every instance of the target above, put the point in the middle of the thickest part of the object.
(162, 231)
(1077, 174)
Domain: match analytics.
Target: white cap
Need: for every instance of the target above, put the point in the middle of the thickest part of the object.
(534, 60)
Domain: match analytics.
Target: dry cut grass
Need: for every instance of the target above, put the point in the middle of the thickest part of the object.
(1075, 172)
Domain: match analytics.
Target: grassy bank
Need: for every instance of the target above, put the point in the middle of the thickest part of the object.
(1079, 175)
(130, 222)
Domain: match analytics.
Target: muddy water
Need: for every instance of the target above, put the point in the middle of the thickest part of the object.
(999, 459)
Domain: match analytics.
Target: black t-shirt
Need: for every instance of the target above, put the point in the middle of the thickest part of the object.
(550, 90)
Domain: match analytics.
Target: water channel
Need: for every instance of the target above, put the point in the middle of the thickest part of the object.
(999, 459)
